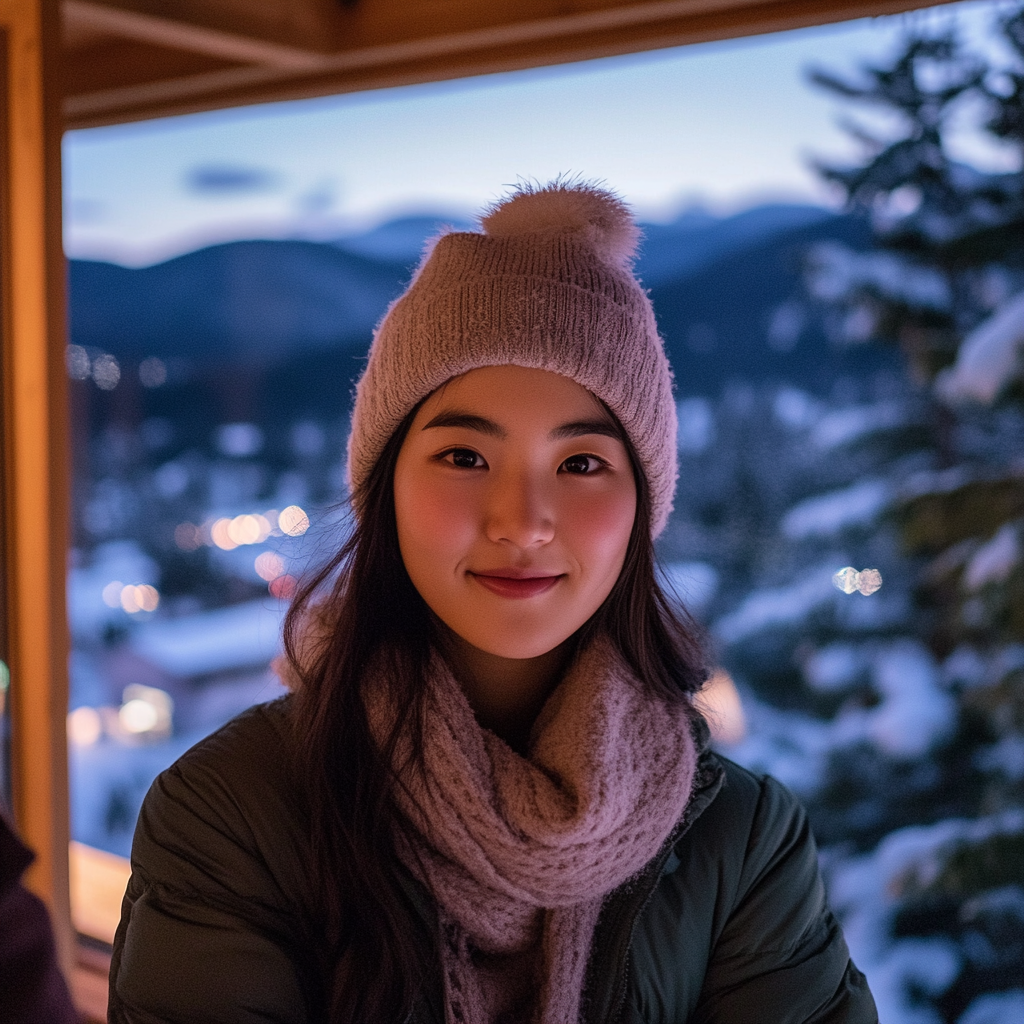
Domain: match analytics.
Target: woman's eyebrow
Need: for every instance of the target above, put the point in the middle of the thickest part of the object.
(580, 427)
(469, 421)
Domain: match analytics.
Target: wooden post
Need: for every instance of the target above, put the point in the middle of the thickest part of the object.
(34, 433)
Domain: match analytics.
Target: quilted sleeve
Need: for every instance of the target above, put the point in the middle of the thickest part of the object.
(780, 954)
(213, 920)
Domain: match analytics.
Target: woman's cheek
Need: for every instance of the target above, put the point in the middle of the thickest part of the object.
(598, 527)
(435, 524)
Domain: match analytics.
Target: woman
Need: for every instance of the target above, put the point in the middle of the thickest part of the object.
(489, 798)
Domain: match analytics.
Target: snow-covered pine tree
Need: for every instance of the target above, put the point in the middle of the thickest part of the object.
(922, 804)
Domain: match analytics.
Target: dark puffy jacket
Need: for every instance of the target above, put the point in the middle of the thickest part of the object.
(728, 924)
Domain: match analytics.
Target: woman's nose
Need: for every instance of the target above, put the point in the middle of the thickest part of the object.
(519, 511)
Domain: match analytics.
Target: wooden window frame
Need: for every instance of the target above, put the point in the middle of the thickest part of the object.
(36, 471)
(35, 488)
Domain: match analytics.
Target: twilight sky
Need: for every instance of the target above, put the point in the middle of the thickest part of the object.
(723, 124)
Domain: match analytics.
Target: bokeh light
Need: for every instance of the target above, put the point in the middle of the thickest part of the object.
(293, 521)
(720, 704)
(269, 565)
(152, 372)
(106, 372)
(188, 536)
(78, 362)
(146, 711)
(221, 537)
(138, 716)
(112, 594)
(284, 587)
(248, 529)
(84, 726)
(140, 598)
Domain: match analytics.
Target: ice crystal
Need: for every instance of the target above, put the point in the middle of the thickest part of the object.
(867, 581)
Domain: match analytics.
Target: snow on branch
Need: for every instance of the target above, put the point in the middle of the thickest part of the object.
(838, 273)
(989, 358)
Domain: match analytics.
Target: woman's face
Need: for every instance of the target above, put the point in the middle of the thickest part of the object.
(515, 500)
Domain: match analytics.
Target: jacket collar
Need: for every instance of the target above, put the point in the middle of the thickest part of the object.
(608, 970)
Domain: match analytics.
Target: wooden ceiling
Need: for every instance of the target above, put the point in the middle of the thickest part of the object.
(125, 60)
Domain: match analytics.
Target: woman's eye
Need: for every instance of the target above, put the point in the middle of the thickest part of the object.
(581, 464)
(464, 458)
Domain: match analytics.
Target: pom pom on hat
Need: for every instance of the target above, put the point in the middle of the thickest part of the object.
(568, 207)
(547, 284)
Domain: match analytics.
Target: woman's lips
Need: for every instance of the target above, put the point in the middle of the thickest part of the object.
(515, 586)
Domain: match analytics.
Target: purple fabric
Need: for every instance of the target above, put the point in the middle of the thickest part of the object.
(32, 989)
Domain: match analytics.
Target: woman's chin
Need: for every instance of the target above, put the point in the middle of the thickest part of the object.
(515, 645)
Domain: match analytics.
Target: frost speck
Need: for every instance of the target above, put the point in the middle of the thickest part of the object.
(848, 580)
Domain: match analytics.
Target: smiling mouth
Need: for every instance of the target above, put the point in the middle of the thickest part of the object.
(515, 586)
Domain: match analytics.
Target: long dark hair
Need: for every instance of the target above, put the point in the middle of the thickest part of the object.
(366, 613)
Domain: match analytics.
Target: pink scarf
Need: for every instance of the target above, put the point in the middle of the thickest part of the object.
(521, 851)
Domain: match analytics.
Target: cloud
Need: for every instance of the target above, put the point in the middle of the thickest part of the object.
(229, 180)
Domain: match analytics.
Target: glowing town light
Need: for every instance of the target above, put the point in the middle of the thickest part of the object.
(248, 529)
(106, 372)
(138, 716)
(720, 704)
(293, 521)
(221, 537)
(78, 362)
(265, 528)
(146, 710)
(112, 594)
(141, 598)
(84, 726)
(239, 440)
(848, 580)
(238, 530)
(269, 565)
(152, 372)
(283, 587)
(188, 536)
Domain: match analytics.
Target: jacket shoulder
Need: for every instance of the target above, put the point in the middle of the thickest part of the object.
(238, 790)
(216, 921)
(742, 922)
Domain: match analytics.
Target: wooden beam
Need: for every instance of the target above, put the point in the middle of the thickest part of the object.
(317, 26)
(380, 50)
(112, 63)
(35, 443)
(100, 18)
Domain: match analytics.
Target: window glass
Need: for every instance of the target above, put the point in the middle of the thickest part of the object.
(841, 306)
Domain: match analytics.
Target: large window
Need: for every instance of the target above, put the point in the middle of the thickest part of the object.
(226, 274)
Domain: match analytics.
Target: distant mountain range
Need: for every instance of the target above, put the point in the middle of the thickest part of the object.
(727, 291)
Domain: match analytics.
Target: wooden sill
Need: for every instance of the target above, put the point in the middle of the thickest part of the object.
(98, 881)
(89, 982)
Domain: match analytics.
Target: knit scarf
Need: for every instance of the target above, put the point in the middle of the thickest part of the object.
(519, 852)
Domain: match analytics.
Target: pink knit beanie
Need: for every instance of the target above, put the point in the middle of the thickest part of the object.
(547, 284)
